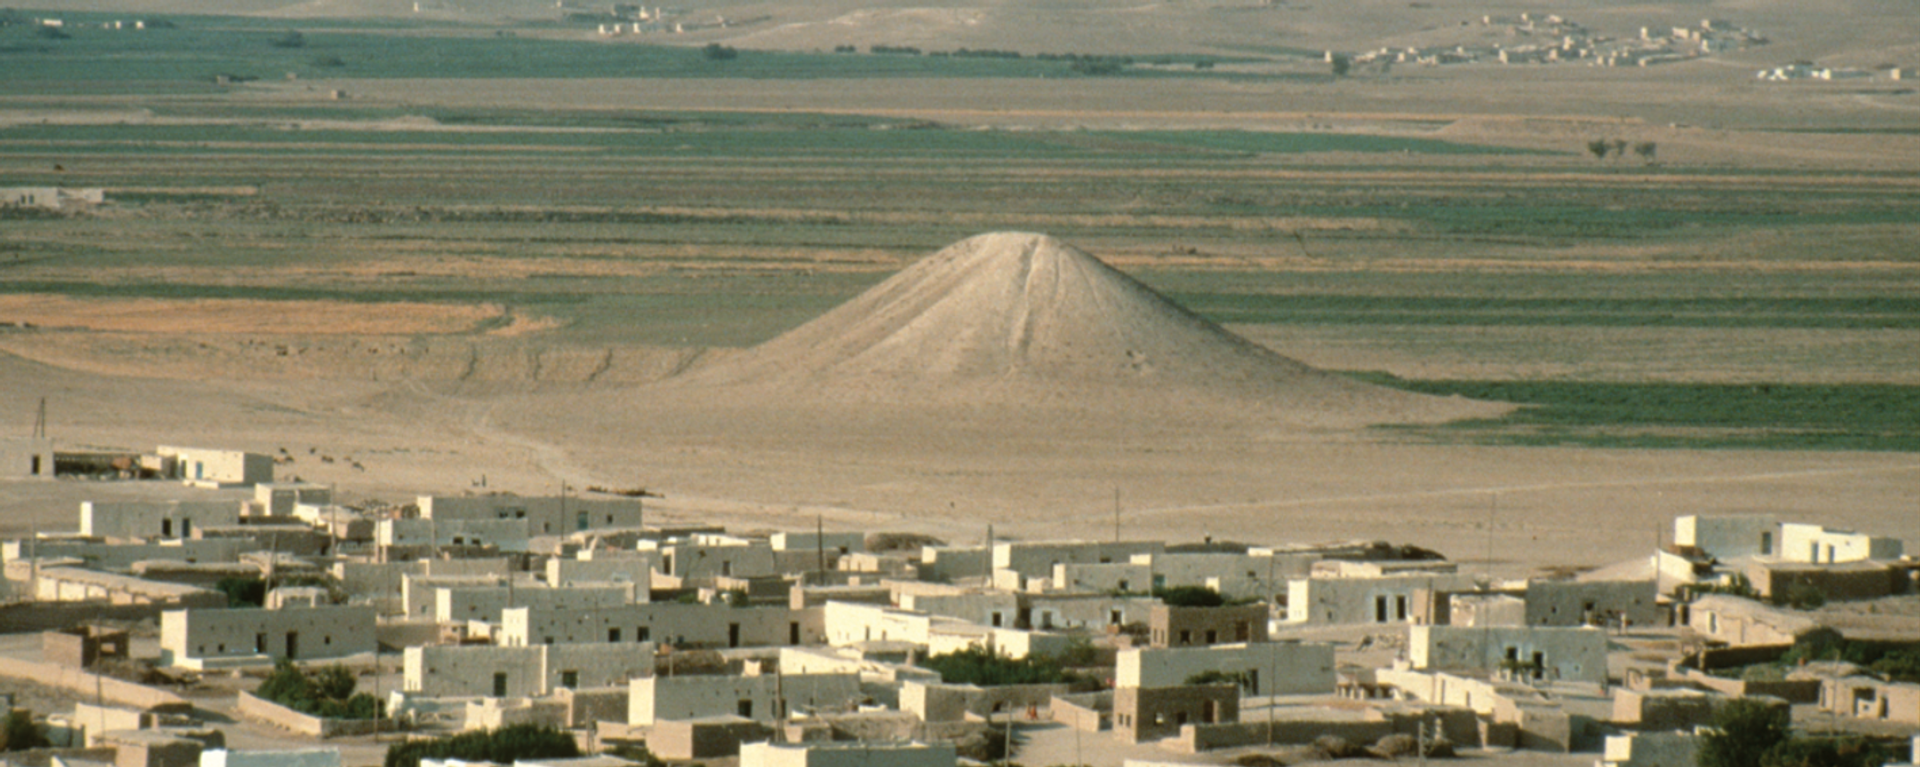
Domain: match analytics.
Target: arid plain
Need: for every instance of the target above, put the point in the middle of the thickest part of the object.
(553, 264)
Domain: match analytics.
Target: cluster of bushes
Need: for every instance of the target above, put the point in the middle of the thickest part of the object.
(20, 733)
(1618, 148)
(326, 692)
(252, 592)
(1189, 596)
(1082, 63)
(1090, 64)
(718, 52)
(503, 746)
(1897, 661)
(1747, 732)
(986, 668)
(984, 53)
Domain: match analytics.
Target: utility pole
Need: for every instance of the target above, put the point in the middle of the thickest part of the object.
(40, 423)
(1116, 513)
(987, 570)
(820, 547)
(1273, 661)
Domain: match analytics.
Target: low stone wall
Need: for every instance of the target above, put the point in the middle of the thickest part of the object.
(1088, 712)
(27, 617)
(1791, 691)
(1458, 724)
(265, 711)
(1195, 738)
(108, 688)
(43, 757)
(1726, 657)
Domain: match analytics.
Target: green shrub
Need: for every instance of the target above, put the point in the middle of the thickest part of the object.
(1800, 595)
(978, 666)
(1825, 752)
(243, 592)
(326, 692)
(1744, 730)
(21, 733)
(1190, 596)
(503, 746)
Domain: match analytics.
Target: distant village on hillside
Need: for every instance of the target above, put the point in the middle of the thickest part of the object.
(570, 631)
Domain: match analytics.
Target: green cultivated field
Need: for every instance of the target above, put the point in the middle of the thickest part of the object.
(1763, 416)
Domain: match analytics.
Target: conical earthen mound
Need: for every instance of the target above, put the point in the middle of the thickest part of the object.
(1015, 318)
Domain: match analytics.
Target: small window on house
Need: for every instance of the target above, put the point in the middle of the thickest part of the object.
(1212, 636)
(642, 634)
(1186, 636)
(570, 679)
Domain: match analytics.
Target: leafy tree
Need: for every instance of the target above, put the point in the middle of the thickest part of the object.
(1599, 147)
(1800, 595)
(1190, 596)
(334, 681)
(327, 692)
(287, 686)
(1744, 730)
(1216, 676)
(1646, 150)
(20, 733)
(1899, 665)
(503, 746)
(1736, 586)
(1825, 752)
(1342, 64)
(243, 592)
(718, 52)
(979, 666)
(290, 39)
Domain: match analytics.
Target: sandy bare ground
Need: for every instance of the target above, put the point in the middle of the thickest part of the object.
(161, 316)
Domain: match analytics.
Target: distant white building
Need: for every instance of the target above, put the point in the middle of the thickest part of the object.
(204, 467)
(551, 515)
(26, 458)
(300, 757)
(760, 697)
(1260, 668)
(1551, 653)
(49, 197)
(155, 519)
(857, 754)
(211, 639)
